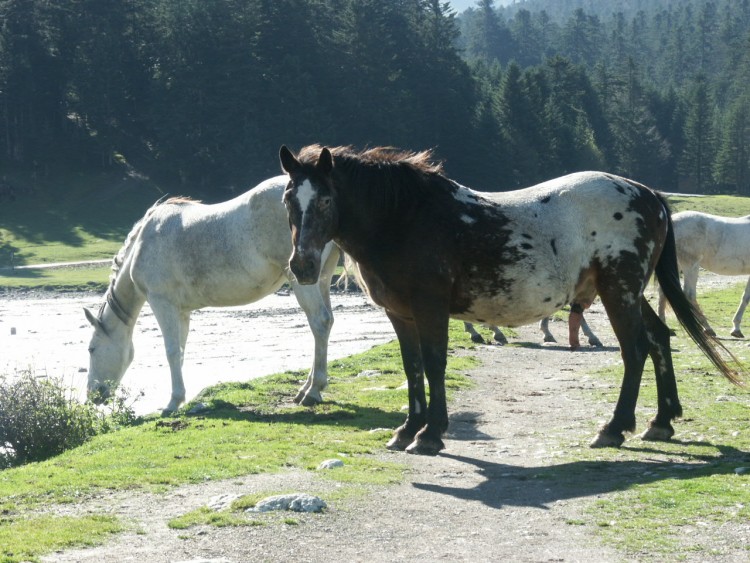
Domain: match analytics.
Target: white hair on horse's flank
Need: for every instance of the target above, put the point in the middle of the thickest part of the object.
(718, 244)
(183, 255)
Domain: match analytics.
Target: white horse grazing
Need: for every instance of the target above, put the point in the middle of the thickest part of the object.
(184, 255)
(717, 244)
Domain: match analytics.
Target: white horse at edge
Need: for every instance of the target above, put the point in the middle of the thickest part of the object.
(718, 244)
(184, 255)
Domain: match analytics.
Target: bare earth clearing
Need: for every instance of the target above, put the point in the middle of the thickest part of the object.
(482, 499)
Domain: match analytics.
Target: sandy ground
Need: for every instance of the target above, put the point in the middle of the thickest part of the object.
(51, 336)
(499, 492)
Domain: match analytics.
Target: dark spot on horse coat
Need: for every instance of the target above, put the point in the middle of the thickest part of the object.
(593, 233)
(553, 244)
(546, 199)
(617, 216)
(547, 299)
(524, 235)
(527, 246)
(620, 189)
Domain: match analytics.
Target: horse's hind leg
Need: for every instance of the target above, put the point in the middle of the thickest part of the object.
(174, 329)
(544, 327)
(628, 326)
(737, 319)
(593, 338)
(475, 336)
(668, 402)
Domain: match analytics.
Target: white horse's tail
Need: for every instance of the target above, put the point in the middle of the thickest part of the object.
(351, 271)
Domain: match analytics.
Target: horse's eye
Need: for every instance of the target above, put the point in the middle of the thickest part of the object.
(325, 202)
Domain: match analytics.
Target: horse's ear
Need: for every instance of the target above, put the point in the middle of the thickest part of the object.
(289, 163)
(325, 161)
(96, 323)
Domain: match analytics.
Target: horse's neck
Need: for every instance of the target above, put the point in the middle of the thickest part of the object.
(125, 301)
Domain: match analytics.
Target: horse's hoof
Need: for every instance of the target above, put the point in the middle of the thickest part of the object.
(596, 343)
(737, 334)
(299, 397)
(310, 400)
(658, 434)
(477, 339)
(607, 440)
(501, 341)
(399, 443)
(550, 340)
(425, 447)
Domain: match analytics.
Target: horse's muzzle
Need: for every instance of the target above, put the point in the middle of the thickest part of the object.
(98, 394)
(305, 268)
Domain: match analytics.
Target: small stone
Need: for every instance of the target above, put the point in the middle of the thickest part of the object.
(198, 408)
(330, 464)
(221, 502)
(369, 373)
(741, 470)
(298, 502)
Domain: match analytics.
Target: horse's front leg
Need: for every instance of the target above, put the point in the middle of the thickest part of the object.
(317, 307)
(432, 327)
(174, 327)
(408, 340)
(737, 319)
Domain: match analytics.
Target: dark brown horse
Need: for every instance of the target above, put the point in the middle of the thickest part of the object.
(429, 249)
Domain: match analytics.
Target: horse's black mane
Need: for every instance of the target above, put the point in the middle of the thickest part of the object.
(385, 176)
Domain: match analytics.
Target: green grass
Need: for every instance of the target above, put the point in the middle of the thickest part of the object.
(27, 538)
(666, 488)
(249, 428)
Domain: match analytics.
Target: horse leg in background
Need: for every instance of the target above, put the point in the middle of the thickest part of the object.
(411, 357)
(574, 323)
(628, 325)
(689, 287)
(315, 301)
(737, 319)
(475, 336)
(498, 335)
(668, 402)
(174, 329)
(593, 338)
(544, 327)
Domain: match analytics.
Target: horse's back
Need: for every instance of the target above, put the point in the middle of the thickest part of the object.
(559, 237)
(715, 243)
(227, 253)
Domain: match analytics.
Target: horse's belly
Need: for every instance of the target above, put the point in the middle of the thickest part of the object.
(736, 264)
(513, 311)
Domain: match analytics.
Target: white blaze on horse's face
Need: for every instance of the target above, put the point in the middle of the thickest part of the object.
(109, 358)
(311, 217)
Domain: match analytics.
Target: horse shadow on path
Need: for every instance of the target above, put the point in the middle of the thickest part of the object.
(540, 486)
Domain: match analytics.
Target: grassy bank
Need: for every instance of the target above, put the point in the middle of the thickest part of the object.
(93, 221)
(694, 490)
(247, 428)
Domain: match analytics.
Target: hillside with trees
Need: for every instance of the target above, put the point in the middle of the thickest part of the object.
(200, 95)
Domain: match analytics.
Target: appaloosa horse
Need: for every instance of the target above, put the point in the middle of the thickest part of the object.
(182, 256)
(429, 249)
(718, 244)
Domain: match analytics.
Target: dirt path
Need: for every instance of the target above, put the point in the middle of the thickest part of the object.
(499, 492)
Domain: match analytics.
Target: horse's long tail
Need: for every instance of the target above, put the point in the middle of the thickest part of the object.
(668, 274)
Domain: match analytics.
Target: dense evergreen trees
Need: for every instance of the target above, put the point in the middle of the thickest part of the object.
(201, 93)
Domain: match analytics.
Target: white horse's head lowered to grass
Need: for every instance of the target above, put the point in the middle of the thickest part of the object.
(110, 354)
